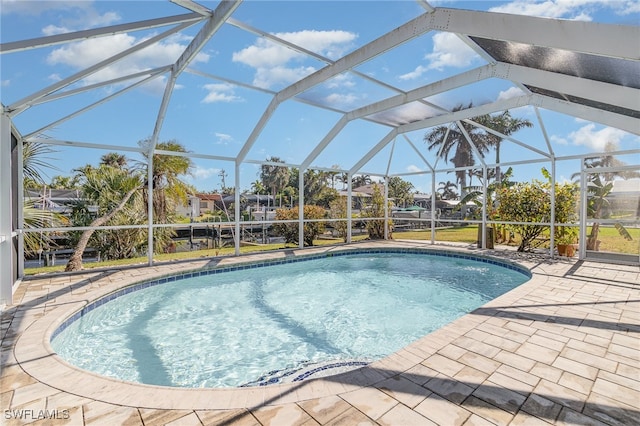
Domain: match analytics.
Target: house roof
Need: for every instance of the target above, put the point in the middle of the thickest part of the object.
(209, 197)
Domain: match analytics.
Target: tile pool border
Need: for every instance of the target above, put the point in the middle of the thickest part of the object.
(272, 262)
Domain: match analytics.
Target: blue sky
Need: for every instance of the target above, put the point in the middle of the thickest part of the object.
(215, 117)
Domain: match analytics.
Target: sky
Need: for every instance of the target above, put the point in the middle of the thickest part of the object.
(213, 111)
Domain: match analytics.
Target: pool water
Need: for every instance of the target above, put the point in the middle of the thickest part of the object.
(241, 327)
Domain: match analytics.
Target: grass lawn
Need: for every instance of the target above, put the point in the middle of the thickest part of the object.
(610, 241)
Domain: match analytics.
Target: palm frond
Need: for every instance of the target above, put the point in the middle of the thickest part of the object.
(623, 231)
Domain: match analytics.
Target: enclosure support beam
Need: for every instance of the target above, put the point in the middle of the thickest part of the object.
(582, 241)
(236, 207)
(552, 229)
(150, 207)
(6, 209)
(20, 211)
(300, 208)
(484, 206)
(349, 207)
(433, 206)
(386, 207)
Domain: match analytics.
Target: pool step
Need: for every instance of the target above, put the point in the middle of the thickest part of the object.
(306, 370)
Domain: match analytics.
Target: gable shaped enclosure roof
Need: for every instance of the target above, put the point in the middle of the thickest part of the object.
(343, 86)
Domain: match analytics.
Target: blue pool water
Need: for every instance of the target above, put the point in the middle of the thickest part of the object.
(268, 324)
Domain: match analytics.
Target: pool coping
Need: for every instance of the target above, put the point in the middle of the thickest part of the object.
(34, 353)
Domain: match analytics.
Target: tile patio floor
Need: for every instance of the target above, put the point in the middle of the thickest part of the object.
(563, 348)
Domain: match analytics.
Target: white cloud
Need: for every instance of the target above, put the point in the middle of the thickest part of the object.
(223, 138)
(420, 69)
(448, 51)
(511, 92)
(269, 77)
(222, 92)
(35, 8)
(558, 140)
(595, 139)
(340, 80)
(340, 99)
(583, 17)
(579, 10)
(204, 173)
(414, 169)
(273, 62)
(54, 77)
(88, 18)
(86, 53)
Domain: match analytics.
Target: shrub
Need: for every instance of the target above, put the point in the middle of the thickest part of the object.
(531, 202)
(376, 227)
(338, 210)
(290, 230)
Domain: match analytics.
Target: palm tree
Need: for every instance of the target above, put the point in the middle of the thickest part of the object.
(599, 187)
(455, 147)
(274, 177)
(360, 180)
(257, 187)
(448, 190)
(503, 123)
(114, 159)
(111, 189)
(34, 159)
(168, 188)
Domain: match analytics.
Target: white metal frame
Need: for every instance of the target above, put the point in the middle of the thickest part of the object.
(582, 37)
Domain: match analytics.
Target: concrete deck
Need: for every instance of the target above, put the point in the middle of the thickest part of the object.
(563, 348)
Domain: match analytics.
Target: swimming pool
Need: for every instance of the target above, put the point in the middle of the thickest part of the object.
(262, 323)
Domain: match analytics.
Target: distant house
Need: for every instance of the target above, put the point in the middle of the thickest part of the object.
(59, 201)
(359, 196)
(192, 209)
(208, 203)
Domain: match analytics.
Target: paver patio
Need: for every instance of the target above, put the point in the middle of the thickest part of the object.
(563, 348)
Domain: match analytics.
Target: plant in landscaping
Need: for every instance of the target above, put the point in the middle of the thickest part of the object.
(290, 230)
(529, 203)
(375, 227)
(338, 210)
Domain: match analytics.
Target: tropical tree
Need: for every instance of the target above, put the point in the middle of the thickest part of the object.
(34, 160)
(344, 179)
(452, 145)
(64, 182)
(114, 159)
(401, 191)
(507, 125)
(334, 175)
(258, 188)
(360, 180)
(599, 190)
(110, 189)
(475, 193)
(599, 187)
(448, 190)
(317, 187)
(169, 190)
(274, 177)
